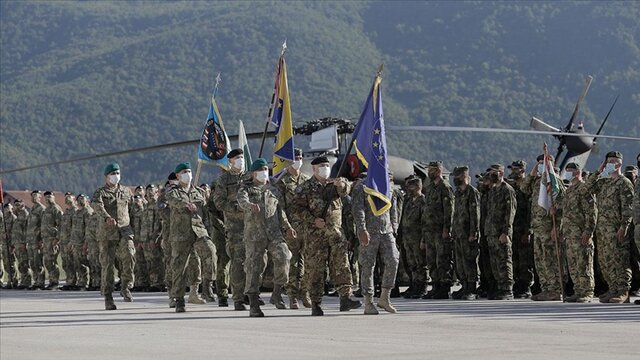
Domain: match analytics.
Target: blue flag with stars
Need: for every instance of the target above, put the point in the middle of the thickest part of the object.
(371, 148)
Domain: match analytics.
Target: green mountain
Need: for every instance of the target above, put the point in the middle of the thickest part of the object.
(78, 78)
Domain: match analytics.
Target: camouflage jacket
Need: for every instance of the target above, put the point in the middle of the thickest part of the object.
(411, 220)
(541, 220)
(113, 202)
(636, 204)
(363, 217)
(484, 201)
(91, 228)
(501, 210)
(34, 222)
(438, 212)
(522, 221)
(136, 220)
(6, 226)
(397, 203)
(287, 185)
(615, 198)
(185, 225)
(312, 198)
(50, 223)
(19, 227)
(79, 223)
(271, 222)
(66, 224)
(225, 198)
(579, 211)
(151, 226)
(466, 215)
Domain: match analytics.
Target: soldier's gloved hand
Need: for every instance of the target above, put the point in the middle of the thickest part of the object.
(622, 234)
(319, 223)
(446, 234)
(504, 238)
(363, 236)
(291, 233)
(586, 240)
(255, 208)
(111, 221)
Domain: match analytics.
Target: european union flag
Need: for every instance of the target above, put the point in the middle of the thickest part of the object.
(371, 148)
(281, 118)
(214, 142)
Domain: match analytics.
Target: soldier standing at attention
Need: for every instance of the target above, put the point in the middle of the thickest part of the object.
(151, 234)
(50, 228)
(636, 214)
(523, 262)
(8, 255)
(217, 232)
(79, 224)
(411, 230)
(19, 240)
(115, 236)
(34, 240)
(66, 251)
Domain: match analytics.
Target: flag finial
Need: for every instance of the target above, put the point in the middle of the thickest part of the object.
(380, 68)
(284, 47)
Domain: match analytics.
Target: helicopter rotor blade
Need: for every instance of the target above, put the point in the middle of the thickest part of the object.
(606, 118)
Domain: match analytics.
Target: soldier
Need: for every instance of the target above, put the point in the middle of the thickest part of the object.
(66, 252)
(376, 235)
(79, 248)
(411, 230)
(115, 236)
(50, 231)
(188, 232)
(136, 210)
(226, 199)
(487, 282)
(501, 210)
(265, 223)
(8, 250)
(165, 215)
(578, 225)
(322, 218)
(523, 273)
(466, 232)
(19, 240)
(437, 242)
(150, 236)
(287, 184)
(93, 250)
(636, 215)
(614, 194)
(217, 231)
(544, 236)
(34, 240)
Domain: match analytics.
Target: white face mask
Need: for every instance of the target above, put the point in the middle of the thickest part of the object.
(262, 176)
(238, 164)
(185, 178)
(608, 169)
(114, 179)
(540, 168)
(568, 175)
(297, 164)
(324, 172)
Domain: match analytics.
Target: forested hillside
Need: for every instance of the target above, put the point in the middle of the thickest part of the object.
(91, 77)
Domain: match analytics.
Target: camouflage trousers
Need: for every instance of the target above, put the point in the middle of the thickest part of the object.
(36, 262)
(580, 260)
(155, 265)
(222, 264)
(297, 278)
(439, 257)
(51, 261)
(322, 247)
(487, 281)
(66, 254)
(125, 253)
(167, 250)
(354, 255)
(8, 264)
(95, 270)
(466, 254)
(385, 245)
(500, 257)
(236, 251)
(546, 260)
(416, 259)
(81, 265)
(636, 236)
(256, 249)
(523, 262)
(202, 264)
(614, 258)
(141, 270)
(181, 253)
(22, 256)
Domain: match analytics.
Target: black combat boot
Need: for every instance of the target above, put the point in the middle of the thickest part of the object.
(434, 290)
(395, 292)
(53, 285)
(254, 307)
(346, 303)
(316, 309)
(108, 302)
(457, 295)
(443, 292)
(223, 301)
(180, 305)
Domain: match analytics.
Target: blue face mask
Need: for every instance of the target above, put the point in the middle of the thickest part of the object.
(569, 175)
(608, 169)
(540, 168)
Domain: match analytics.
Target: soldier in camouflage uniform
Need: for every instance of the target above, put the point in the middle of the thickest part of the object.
(115, 236)
(487, 282)
(411, 231)
(19, 240)
(321, 206)
(466, 233)
(578, 225)
(8, 255)
(34, 240)
(66, 252)
(150, 236)
(136, 210)
(265, 222)
(188, 232)
(287, 185)
(165, 216)
(523, 273)
(436, 219)
(49, 229)
(498, 227)
(544, 238)
(636, 214)
(376, 235)
(614, 194)
(93, 251)
(225, 199)
(79, 224)
(217, 231)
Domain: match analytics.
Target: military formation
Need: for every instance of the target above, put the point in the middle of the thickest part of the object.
(302, 235)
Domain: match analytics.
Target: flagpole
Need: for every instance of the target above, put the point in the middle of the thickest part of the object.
(555, 228)
(273, 97)
(213, 96)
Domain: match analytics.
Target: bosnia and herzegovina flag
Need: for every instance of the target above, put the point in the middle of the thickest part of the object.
(280, 117)
(371, 148)
(214, 142)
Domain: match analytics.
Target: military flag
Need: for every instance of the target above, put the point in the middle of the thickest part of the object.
(280, 117)
(549, 186)
(371, 148)
(214, 142)
(244, 145)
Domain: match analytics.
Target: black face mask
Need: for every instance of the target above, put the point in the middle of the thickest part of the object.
(494, 177)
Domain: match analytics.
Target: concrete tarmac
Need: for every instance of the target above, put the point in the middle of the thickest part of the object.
(74, 325)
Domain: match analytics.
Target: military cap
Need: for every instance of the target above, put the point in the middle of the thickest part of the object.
(319, 160)
(614, 154)
(258, 164)
(459, 170)
(182, 166)
(413, 180)
(47, 193)
(437, 164)
(573, 166)
(18, 201)
(630, 169)
(497, 167)
(172, 176)
(541, 157)
(518, 164)
(297, 152)
(235, 152)
(111, 168)
(35, 192)
(138, 187)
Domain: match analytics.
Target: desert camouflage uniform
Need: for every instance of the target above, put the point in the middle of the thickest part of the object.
(436, 218)
(150, 237)
(79, 224)
(466, 223)
(19, 240)
(50, 231)
(34, 244)
(501, 210)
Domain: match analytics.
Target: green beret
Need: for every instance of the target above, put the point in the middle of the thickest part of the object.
(497, 167)
(614, 154)
(459, 170)
(437, 164)
(521, 164)
(297, 152)
(319, 160)
(258, 164)
(234, 153)
(111, 168)
(182, 166)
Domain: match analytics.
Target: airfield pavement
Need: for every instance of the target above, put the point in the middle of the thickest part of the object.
(74, 325)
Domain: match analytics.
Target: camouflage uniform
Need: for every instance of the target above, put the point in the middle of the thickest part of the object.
(487, 281)
(579, 218)
(411, 230)
(93, 251)
(34, 244)
(501, 210)
(466, 223)
(287, 186)
(217, 231)
(263, 232)
(141, 271)
(523, 261)
(8, 258)
(65, 246)
(381, 240)
(225, 198)
(436, 218)
(19, 240)
(50, 230)
(165, 216)
(187, 233)
(150, 238)
(79, 224)
(636, 214)
(326, 244)
(114, 240)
